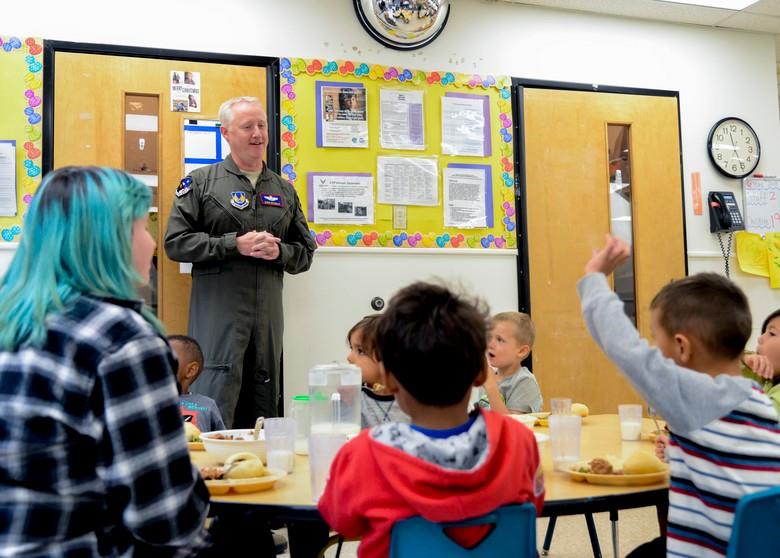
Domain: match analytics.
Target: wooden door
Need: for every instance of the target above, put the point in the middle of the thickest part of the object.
(89, 130)
(568, 214)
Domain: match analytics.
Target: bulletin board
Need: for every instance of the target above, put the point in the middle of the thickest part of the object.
(21, 103)
(302, 110)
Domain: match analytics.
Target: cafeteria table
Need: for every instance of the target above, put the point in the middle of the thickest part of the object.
(290, 499)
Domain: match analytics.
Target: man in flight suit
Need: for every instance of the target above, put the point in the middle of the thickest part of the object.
(241, 226)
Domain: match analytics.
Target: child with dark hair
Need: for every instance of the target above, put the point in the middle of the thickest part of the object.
(377, 404)
(764, 366)
(198, 409)
(724, 439)
(448, 464)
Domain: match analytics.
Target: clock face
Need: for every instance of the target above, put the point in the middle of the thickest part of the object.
(734, 147)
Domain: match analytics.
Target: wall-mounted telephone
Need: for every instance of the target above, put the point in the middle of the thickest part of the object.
(724, 213)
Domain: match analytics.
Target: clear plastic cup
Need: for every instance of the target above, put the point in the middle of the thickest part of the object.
(630, 421)
(565, 440)
(560, 405)
(280, 443)
(299, 410)
(323, 447)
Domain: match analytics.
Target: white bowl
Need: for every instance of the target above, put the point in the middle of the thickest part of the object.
(222, 449)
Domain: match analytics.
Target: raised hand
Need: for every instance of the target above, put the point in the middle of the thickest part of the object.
(609, 258)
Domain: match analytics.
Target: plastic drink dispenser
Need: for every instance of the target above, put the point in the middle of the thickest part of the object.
(334, 399)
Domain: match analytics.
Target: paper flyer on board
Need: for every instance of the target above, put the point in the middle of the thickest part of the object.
(402, 120)
(185, 91)
(408, 180)
(464, 197)
(7, 178)
(342, 115)
(341, 197)
(465, 128)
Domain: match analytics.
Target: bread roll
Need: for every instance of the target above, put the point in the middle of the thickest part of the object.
(642, 463)
(243, 465)
(580, 409)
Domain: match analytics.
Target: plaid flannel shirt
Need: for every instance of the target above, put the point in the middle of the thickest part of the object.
(93, 458)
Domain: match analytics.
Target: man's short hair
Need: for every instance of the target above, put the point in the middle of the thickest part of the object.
(226, 108)
(525, 331)
(708, 307)
(191, 348)
(433, 342)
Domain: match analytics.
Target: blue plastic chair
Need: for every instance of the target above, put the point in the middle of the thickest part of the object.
(514, 535)
(756, 524)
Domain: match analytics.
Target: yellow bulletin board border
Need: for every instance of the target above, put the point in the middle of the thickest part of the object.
(21, 102)
(300, 154)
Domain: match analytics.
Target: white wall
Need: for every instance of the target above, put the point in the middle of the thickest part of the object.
(717, 72)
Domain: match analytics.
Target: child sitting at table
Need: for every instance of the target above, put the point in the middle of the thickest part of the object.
(509, 344)
(198, 409)
(448, 464)
(764, 366)
(724, 439)
(377, 404)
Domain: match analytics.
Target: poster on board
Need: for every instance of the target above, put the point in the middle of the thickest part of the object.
(342, 115)
(341, 197)
(185, 91)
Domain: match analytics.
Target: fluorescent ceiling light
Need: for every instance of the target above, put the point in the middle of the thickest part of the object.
(725, 4)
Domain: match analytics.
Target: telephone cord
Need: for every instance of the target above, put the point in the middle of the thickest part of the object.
(726, 251)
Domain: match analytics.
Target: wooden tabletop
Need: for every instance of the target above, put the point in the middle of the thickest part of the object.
(291, 496)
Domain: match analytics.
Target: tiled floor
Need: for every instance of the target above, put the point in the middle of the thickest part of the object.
(571, 535)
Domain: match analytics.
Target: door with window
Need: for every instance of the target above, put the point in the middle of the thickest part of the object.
(597, 163)
(94, 95)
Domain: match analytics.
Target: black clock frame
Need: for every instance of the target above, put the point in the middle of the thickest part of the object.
(709, 147)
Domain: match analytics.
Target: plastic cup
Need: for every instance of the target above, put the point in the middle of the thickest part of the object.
(565, 440)
(560, 406)
(299, 410)
(280, 443)
(323, 447)
(630, 421)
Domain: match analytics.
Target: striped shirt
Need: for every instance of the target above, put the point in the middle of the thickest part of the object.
(711, 468)
(724, 441)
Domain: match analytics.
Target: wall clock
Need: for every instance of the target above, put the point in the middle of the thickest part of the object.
(733, 147)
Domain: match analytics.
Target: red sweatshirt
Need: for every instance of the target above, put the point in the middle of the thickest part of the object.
(372, 485)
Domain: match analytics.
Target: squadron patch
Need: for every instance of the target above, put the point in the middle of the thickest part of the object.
(184, 186)
(239, 200)
(271, 199)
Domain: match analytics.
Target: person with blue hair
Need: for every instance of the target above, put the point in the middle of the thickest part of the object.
(95, 460)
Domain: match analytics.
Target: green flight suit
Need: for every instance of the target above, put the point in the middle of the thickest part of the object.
(236, 301)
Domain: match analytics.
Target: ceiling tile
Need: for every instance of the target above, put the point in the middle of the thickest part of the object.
(752, 22)
(641, 9)
(766, 7)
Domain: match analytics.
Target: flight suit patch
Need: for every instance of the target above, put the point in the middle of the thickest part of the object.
(239, 200)
(271, 199)
(184, 186)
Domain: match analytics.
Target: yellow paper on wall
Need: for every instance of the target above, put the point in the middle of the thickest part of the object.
(752, 253)
(773, 246)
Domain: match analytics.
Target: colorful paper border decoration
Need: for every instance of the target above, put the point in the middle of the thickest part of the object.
(291, 67)
(30, 121)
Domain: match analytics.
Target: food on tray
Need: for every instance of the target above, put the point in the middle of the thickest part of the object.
(243, 465)
(642, 463)
(221, 436)
(580, 409)
(609, 465)
(192, 432)
(600, 466)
